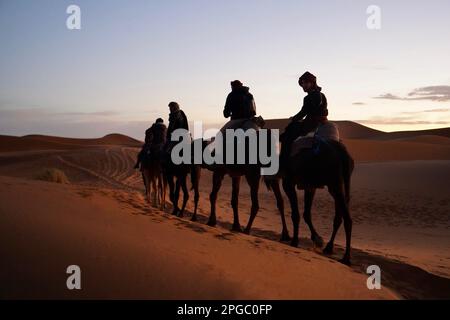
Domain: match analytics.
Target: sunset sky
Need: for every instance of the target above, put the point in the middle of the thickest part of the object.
(131, 58)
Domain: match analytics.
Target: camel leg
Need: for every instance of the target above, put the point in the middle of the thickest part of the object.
(159, 190)
(197, 172)
(342, 213)
(163, 192)
(183, 184)
(217, 183)
(309, 197)
(236, 183)
(148, 188)
(155, 191)
(329, 249)
(280, 205)
(289, 188)
(176, 196)
(348, 226)
(171, 187)
(254, 188)
(145, 182)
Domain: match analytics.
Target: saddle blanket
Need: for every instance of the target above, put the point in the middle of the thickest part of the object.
(325, 131)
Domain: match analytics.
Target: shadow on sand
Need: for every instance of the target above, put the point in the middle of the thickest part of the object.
(409, 281)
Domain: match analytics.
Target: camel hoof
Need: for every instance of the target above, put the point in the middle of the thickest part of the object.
(294, 243)
(285, 237)
(180, 214)
(346, 260)
(236, 228)
(194, 218)
(318, 241)
(328, 249)
(211, 223)
(247, 231)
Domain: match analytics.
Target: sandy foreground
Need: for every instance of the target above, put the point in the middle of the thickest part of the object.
(126, 249)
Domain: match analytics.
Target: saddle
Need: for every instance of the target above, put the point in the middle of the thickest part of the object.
(244, 124)
(255, 123)
(325, 131)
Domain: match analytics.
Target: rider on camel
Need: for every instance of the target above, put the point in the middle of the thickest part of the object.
(313, 113)
(240, 103)
(154, 136)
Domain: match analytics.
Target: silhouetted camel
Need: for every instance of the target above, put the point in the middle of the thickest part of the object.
(154, 179)
(176, 176)
(251, 172)
(328, 164)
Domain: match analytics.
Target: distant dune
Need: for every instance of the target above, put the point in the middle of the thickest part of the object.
(365, 144)
(394, 150)
(42, 142)
(354, 130)
(368, 145)
(347, 129)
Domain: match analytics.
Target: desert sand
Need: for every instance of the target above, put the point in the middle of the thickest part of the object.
(127, 249)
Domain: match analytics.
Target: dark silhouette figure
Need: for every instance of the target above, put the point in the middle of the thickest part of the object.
(150, 161)
(176, 175)
(327, 164)
(251, 172)
(177, 120)
(314, 112)
(155, 136)
(240, 103)
(158, 131)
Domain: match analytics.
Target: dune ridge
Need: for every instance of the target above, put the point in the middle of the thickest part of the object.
(354, 130)
(42, 142)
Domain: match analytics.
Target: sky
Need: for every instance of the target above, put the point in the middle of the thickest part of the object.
(132, 57)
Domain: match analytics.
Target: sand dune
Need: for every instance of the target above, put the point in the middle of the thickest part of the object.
(440, 140)
(40, 142)
(394, 150)
(400, 211)
(367, 144)
(126, 250)
(110, 139)
(347, 129)
(354, 130)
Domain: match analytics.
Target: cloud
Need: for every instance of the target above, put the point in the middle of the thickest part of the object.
(400, 121)
(442, 110)
(41, 112)
(431, 93)
(358, 104)
(388, 96)
(438, 110)
(100, 113)
(434, 93)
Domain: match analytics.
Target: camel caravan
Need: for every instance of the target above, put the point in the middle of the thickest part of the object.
(311, 156)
